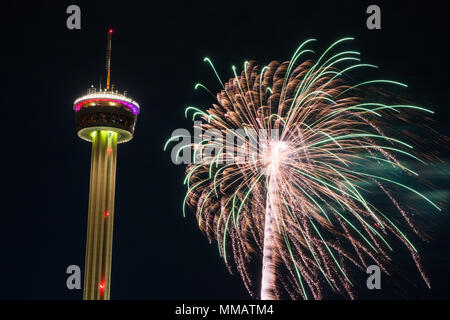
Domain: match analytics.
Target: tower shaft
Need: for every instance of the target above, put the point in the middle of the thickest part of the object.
(97, 278)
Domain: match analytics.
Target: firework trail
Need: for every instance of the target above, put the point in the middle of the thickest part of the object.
(302, 201)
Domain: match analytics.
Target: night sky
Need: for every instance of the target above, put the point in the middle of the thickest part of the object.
(157, 56)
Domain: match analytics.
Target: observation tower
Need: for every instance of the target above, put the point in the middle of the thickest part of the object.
(106, 118)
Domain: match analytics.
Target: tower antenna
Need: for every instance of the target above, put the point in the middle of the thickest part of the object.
(108, 59)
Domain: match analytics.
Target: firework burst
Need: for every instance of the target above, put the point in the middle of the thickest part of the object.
(298, 204)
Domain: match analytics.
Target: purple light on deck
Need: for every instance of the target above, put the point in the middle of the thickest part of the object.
(133, 108)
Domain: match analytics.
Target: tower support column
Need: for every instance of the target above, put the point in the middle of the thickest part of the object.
(97, 273)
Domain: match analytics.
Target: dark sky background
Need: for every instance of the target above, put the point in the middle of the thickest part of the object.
(157, 56)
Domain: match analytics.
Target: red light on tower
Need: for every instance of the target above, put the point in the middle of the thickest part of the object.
(110, 30)
(101, 286)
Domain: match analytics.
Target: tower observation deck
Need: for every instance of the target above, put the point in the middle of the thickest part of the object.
(105, 118)
(106, 110)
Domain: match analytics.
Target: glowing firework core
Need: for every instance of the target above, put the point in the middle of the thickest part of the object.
(276, 156)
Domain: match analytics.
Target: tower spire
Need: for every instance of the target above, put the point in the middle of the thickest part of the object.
(108, 59)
